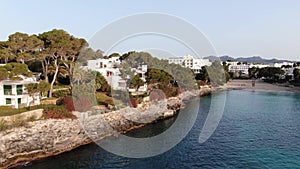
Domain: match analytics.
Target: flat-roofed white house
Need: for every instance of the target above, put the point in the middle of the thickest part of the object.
(109, 68)
(102, 63)
(141, 72)
(290, 72)
(238, 67)
(190, 62)
(259, 65)
(283, 64)
(110, 71)
(13, 93)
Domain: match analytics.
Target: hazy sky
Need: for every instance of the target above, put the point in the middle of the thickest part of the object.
(268, 28)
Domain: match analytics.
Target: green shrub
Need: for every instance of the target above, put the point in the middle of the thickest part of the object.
(61, 93)
(31, 118)
(3, 125)
(18, 121)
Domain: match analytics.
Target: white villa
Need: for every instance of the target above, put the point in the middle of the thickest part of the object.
(141, 72)
(271, 65)
(13, 93)
(290, 71)
(259, 65)
(109, 68)
(283, 64)
(190, 62)
(238, 67)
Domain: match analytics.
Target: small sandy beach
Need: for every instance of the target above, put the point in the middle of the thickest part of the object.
(260, 86)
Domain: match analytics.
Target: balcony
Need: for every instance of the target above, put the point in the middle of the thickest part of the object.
(7, 92)
(20, 92)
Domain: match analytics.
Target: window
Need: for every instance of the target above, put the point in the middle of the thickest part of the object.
(8, 101)
(19, 89)
(7, 89)
(19, 100)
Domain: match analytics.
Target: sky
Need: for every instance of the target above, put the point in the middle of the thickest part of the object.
(266, 28)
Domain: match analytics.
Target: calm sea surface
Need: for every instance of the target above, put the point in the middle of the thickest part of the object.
(258, 130)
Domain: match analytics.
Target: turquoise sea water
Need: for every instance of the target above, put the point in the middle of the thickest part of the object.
(257, 130)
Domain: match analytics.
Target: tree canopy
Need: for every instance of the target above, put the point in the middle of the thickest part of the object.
(55, 51)
(183, 76)
(12, 70)
(136, 82)
(296, 73)
(270, 73)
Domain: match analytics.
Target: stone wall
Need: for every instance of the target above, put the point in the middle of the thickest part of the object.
(26, 115)
(50, 137)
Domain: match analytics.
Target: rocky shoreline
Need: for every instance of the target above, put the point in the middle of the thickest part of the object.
(44, 138)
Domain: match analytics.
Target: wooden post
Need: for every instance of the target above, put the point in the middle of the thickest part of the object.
(253, 82)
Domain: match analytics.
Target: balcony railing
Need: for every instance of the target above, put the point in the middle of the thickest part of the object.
(7, 92)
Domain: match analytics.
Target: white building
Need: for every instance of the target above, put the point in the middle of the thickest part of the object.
(141, 72)
(109, 69)
(259, 65)
(14, 94)
(283, 64)
(103, 63)
(190, 62)
(238, 67)
(290, 71)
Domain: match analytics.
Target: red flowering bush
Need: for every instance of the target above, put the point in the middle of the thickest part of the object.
(79, 104)
(133, 103)
(68, 103)
(57, 113)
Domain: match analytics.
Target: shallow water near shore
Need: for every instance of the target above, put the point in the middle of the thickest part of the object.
(258, 130)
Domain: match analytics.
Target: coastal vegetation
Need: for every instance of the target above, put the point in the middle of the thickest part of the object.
(58, 112)
(217, 74)
(55, 57)
(11, 70)
(52, 53)
(297, 75)
(8, 111)
(268, 74)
